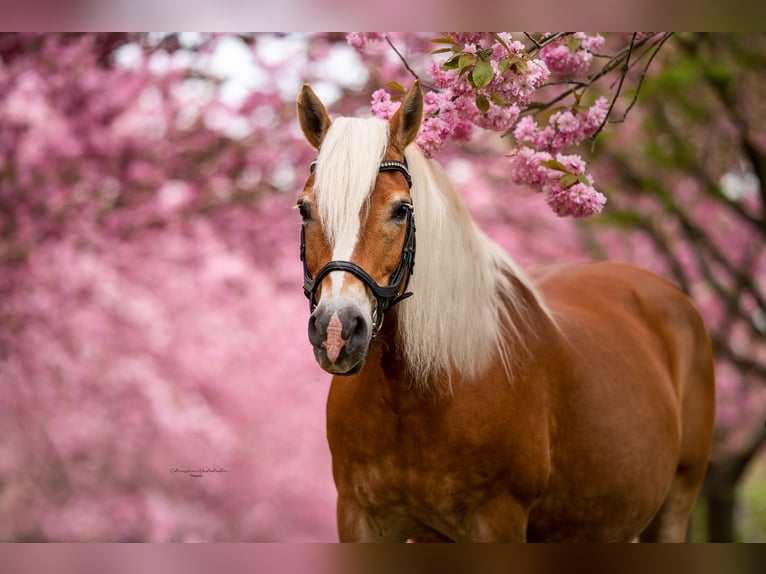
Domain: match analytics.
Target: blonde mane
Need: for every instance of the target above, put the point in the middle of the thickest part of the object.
(467, 305)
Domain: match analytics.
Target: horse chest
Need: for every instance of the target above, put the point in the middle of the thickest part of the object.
(418, 467)
(406, 490)
(410, 473)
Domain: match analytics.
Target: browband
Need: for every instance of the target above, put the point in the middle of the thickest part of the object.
(385, 165)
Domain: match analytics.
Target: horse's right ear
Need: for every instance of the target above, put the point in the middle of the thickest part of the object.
(312, 115)
(405, 123)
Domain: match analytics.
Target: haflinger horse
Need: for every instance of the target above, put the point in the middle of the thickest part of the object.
(567, 403)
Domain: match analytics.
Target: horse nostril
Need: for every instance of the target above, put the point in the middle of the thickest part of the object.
(355, 327)
(315, 337)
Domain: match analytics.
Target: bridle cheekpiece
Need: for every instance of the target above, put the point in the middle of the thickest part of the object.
(387, 296)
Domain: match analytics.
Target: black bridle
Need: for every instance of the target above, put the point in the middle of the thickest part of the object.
(387, 296)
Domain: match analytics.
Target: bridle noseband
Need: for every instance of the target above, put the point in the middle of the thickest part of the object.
(386, 296)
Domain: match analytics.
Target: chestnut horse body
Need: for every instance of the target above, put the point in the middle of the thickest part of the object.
(567, 403)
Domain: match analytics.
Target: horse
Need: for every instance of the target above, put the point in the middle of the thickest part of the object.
(565, 403)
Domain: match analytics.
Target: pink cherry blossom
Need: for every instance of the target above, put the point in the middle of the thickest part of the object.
(359, 40)
(564, 61)
(578, 200)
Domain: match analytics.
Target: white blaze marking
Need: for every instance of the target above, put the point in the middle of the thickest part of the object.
(344, 248)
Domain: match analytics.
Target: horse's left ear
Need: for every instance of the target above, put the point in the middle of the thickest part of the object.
(312, 116)
(405, 123)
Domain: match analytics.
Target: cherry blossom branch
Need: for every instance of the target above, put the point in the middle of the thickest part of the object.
(615, 61)
(751, 151)
(680, 144)
(700, 239)
(531, 38)
(633, 100)
(489, 80)
(623, 73)
(664, 247)
(545, 41)
(406, 64)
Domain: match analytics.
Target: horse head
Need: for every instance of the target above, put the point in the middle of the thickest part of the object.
(358, 230)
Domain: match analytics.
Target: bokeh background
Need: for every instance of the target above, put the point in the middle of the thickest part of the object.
(152, 321)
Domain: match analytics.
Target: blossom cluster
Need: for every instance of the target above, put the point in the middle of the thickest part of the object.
(561, 177)
(441, 119)
(571, 56)
(359, 40)
(502, 78)
(540, 164)
(565, 128)
(486, 81)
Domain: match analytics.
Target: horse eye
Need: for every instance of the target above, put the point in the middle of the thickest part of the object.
(304, 211)
(400, 212)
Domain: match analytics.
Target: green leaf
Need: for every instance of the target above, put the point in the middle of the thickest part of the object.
(498, 99)
(482, 103)
(440, 51)
(568, 180)
(452, 63)
(503, 65)
(573, 43)
(482, 74)
(465, 61)
(582, 179)
(554, 164)
(443, 40)
(397, 87)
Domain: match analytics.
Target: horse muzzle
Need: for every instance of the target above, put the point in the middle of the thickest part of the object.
(340, 337)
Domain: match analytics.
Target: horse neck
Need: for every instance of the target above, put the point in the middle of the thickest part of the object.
(510, 357)
(472, 304)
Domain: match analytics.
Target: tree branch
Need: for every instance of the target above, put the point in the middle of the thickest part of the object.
(532, 39)
(684, 158)
(734, 109)
(545, 40)
(702, 243)
(407, 65)
(623, 73)
(614, 62)
(659, 44)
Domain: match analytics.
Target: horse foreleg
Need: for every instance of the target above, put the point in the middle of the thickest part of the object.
(356, 525)
(503, 519)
